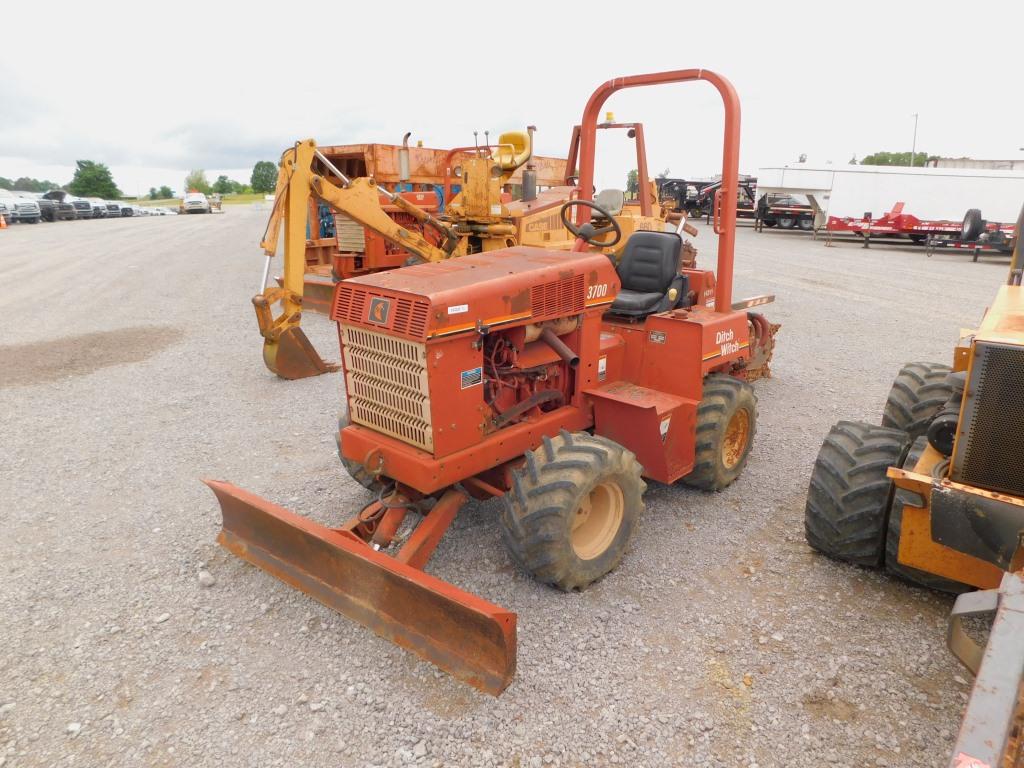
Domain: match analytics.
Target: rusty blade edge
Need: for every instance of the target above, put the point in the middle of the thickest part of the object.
(491, 673)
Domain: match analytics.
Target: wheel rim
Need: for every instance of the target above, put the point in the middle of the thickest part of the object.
(597, 520)
(737, 434)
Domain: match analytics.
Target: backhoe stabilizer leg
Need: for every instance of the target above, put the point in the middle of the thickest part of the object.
(465, 635)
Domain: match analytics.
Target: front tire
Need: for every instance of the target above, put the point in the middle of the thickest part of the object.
(849, 493)
(726, 425)
(572, 509)
(918, 393)
(892, 538)
(786, 222)
(355, 469)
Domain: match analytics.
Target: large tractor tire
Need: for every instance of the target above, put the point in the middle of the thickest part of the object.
(356, 470)
(892, 538)
(917, 395)
(572, 508)
(726, 424)
(849, 495)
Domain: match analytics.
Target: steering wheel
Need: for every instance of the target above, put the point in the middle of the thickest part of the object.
(588, 232)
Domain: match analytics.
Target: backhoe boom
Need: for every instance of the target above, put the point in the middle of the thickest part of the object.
(286, 349)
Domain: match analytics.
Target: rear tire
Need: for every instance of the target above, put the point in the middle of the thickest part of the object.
(726, 425)
(786, 222)
(917, 395)
(892, 537)
(849, 493)
(355, 469)
(805, 223)
(572, 508)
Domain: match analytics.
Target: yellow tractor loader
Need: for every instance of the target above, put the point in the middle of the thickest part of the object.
(936, 496)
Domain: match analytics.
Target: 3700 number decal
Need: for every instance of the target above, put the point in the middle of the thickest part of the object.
(597, 291)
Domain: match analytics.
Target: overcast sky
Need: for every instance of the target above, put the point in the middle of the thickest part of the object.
(153, 90)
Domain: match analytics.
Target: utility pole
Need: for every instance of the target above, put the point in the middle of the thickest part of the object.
(913, 147)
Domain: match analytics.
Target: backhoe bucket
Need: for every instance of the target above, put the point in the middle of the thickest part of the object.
(465, 635)
(293, 356)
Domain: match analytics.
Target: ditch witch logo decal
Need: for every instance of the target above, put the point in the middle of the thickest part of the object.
(380, 309)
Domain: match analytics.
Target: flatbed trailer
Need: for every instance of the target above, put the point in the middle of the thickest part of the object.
(933, 233)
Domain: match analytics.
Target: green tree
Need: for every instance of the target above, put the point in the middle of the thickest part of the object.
(895, 158)
(165, 192)
(6, 183)
(223, 186)
(264, 177)
(632, 183)
(152, 193)
(93, 180)
(196, 180)
(26, 184)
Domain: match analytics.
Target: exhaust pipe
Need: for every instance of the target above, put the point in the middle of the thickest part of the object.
(561, 349)
(530, 172)
(404, 173)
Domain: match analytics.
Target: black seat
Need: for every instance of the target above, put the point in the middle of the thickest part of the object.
(648, 271)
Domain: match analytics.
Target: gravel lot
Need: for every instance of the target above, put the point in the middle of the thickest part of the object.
(132, 367)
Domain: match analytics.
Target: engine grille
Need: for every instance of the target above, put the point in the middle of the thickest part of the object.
(990, 447)
(409, 317)
(558, 298)
(351, 235)
(387, 385)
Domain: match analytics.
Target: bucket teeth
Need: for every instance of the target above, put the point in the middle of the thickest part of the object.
(465, 635)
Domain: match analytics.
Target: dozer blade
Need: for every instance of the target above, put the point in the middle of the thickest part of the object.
(293, 356)
(463, 634)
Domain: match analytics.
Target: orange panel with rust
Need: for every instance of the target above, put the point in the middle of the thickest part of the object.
(427, 474)
(499, 288)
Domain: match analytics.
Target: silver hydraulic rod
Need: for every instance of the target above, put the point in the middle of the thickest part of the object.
(266, 274)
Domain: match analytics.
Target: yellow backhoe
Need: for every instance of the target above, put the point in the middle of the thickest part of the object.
(480, 218)
(287, 350)
(936, 496)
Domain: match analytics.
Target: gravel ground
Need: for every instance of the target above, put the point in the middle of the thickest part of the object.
(129, 638)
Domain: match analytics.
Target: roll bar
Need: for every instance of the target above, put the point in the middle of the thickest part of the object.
(730, 159)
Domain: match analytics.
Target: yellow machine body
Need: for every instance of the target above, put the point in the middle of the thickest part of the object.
(992, 356)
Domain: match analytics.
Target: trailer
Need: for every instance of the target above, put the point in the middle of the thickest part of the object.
(856, 192)
(696, 198)
(785, 212)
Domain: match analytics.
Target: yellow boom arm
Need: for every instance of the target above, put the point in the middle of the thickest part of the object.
(286, 349)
